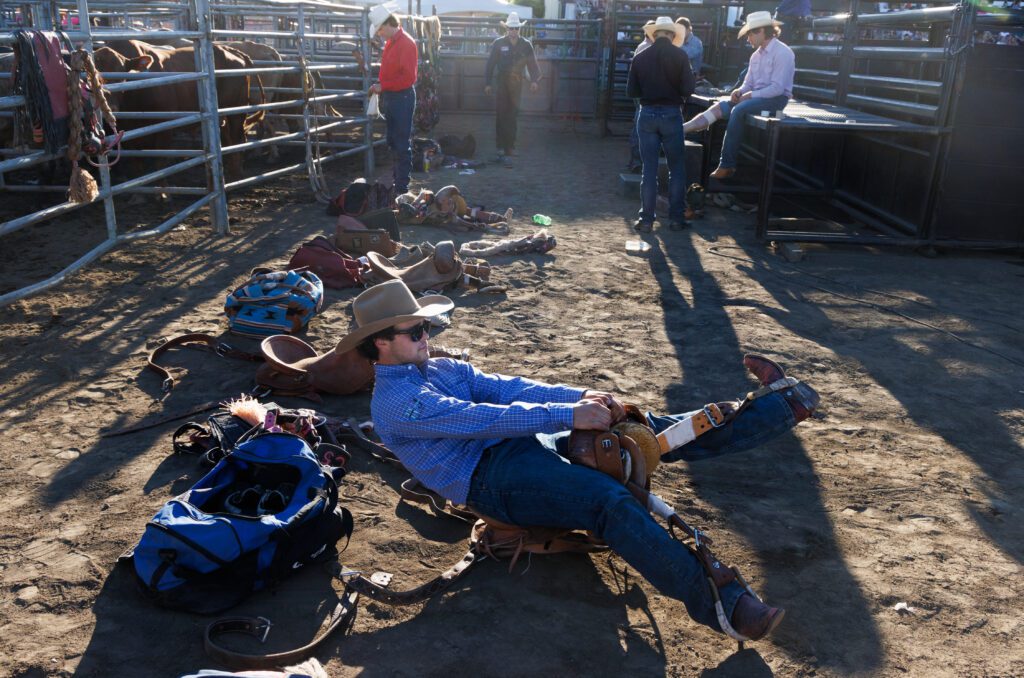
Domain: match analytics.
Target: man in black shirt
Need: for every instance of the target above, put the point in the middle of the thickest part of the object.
(510, 55)
(661, 78)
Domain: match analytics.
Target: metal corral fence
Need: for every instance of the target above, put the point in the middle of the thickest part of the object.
(625, 21)
(920, 67)
(320, 44)
(568, 53)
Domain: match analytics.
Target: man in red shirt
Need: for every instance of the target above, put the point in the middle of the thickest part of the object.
(397, 87)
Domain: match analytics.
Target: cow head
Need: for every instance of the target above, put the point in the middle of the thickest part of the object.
(109, 61)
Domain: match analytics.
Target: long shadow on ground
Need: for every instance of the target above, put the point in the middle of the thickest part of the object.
(770, 495)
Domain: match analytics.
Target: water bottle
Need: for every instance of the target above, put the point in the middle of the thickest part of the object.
(541, 220)
(637, 246)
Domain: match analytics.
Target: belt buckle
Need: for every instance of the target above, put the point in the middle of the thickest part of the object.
(263, 628)
(714, 415)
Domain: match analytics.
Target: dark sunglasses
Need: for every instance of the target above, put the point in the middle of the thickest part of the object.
(416, 333)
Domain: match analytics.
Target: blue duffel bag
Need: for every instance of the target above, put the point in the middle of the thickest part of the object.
(266, 510)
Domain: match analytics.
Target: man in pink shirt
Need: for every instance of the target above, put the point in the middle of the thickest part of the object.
(767, 87)
(397, 87)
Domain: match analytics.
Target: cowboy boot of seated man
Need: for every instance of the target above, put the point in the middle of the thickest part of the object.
(802, 399)
(754, 619)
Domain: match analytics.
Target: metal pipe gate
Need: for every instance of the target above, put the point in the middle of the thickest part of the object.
(314, 37)
(568, 53)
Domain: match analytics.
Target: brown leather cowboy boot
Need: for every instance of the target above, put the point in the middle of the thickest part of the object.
(754, 619)
(802, 399)
(764, 370)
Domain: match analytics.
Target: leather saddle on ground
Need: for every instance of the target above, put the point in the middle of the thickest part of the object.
(293, 367)
(439, 271)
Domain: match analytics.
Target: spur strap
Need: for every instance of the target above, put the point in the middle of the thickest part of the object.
(259, 627)
(204, 341)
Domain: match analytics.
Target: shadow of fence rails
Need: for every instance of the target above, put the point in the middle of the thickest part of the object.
(78, 355)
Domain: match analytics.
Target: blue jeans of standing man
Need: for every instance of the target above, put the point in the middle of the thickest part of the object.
(398, 108)
(737, 116)
(661, 127)
(527, 481)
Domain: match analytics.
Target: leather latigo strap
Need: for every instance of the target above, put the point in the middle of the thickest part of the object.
(381, 594)
(259, 627)
(204, 341)
(412, 490)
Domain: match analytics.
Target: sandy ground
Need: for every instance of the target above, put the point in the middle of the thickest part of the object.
(907, 487)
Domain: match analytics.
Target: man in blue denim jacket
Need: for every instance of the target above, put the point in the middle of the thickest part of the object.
(497, 444)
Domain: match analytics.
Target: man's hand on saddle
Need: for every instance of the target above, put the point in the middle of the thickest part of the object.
(591, 415)
(609, 401)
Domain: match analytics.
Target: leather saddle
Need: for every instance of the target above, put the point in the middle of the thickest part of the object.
(440, 270)
(628, 452)
(293, 367)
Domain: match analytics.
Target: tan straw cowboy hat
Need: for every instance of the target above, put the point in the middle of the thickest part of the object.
(513, 21)
(665, 23)
(758, 20)
(386, 305)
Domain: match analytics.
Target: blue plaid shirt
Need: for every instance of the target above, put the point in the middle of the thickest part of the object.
(439, 417)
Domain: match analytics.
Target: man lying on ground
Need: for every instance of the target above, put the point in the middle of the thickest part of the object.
(497, 444)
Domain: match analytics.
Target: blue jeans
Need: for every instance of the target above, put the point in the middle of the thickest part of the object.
(398, 108)
(661, 127)
(527, 481)
(737, 116)
(634, 137)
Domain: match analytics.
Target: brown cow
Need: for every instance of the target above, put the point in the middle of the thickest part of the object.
(257, 51)
(232, 91)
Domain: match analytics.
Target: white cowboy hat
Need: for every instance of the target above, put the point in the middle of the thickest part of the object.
(665, 23)
(513, 21)
(386, 305)
(379, 14)
(758, 20)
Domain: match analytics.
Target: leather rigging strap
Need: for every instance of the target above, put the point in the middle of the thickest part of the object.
(412, 490)
(381, 594)
(259, 627)
(204, 341)
(344, 613)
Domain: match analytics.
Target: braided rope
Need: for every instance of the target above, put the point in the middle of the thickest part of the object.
(83, 188)
(75, 108)
(96, 91)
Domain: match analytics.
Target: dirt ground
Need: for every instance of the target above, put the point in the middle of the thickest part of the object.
(907, 487)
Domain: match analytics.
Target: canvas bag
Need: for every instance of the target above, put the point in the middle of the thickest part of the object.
(230, 535)
(334, 267)
(274, 302)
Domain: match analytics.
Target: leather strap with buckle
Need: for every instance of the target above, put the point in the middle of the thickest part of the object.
(259, 627)
(689, 429)
(204, 341)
